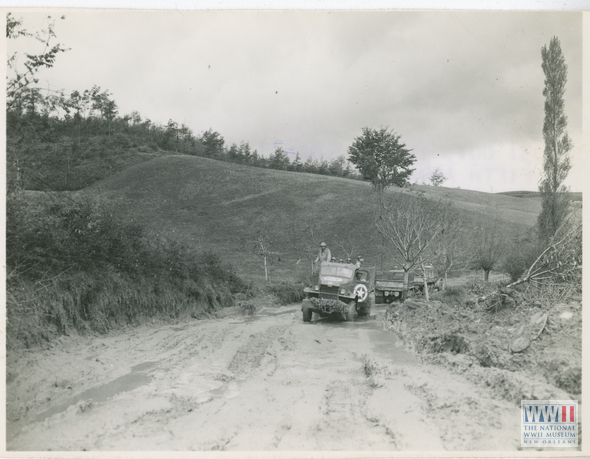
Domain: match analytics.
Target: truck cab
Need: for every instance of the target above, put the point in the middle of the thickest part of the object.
(389, 286)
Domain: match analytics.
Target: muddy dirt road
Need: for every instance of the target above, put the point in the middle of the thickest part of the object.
(268, 382)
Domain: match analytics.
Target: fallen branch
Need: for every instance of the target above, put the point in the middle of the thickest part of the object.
(538, 271)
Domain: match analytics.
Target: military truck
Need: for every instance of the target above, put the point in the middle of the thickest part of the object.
(389, 286)
(341, 289)
(432, 280)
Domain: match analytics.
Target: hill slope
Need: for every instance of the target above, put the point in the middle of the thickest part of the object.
(224, 207)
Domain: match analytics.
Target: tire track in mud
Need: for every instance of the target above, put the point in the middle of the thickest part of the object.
(265, 383)
(249, 357)
(345, 422)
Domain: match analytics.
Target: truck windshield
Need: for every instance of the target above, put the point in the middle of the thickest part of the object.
(396, 275)
(336, 271)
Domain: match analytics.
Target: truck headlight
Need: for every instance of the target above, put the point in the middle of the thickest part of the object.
(316, 287)
(343, 292)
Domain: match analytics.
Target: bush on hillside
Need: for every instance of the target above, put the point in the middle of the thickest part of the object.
(287, 292)
(72, 264)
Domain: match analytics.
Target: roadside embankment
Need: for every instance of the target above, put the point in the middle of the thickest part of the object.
(521, 348)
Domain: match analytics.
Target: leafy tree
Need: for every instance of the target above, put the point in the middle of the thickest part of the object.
(28, 108)
(337, 167)
(521, 253)
(256, 159)
(172, 136)
(213, 142)
(279, 160)
(233, 154)
(107, 107)
(296, 165)
(310, 165)
(382, 158)
(437, 178)
(323, 167)
(556, 163)
(244, 153)
(19, 79)
(135, 118)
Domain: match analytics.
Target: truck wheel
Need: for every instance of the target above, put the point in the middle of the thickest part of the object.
(306, 314)
(350, 310)
(365, 310)
(361, 310)
(306, 310)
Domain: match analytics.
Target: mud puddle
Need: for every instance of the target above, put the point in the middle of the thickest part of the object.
(138, 377)
(385, 343)
(266, 313)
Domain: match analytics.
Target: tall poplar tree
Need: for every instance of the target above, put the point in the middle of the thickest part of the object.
(556, 163)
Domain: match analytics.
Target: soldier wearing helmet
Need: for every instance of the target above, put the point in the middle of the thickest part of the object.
(324, 254)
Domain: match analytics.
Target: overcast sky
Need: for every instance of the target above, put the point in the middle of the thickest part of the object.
(463, 89)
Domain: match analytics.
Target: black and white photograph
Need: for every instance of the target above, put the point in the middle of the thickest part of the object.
(304, 232)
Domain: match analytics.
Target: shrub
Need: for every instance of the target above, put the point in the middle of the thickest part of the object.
(72, 264)
(451, 295)
(306, 278)
(287, 292)
(520, 257)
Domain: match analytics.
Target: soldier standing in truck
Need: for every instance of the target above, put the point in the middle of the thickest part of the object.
(324, 254)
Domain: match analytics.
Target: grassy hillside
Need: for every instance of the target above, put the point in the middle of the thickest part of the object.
(224, 207)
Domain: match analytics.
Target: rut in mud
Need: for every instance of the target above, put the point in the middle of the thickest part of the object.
(268, 382)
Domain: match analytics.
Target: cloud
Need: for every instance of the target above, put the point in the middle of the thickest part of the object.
(453, 84)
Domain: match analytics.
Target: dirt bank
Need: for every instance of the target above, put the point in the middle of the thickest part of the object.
(520, 349)
(268, 382)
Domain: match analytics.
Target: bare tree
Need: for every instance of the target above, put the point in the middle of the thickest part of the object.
(346, 244)
(414, 226)
(310, 244)
(488, 244)
(263, 248)
(452, 252)
(305, 237)
(437, 178)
